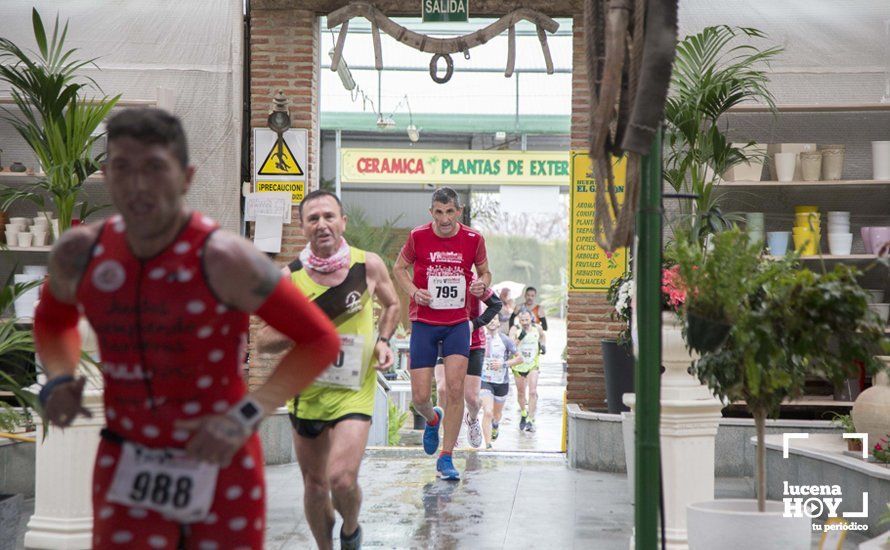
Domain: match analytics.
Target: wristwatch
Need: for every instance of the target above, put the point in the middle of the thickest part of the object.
(247, 412)
(384, 340)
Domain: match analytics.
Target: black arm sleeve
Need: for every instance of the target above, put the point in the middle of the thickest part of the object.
(512, 318)
(494, 307)
(543, 322)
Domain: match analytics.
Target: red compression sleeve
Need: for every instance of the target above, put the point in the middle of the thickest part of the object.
(55, 333)
(316, 342)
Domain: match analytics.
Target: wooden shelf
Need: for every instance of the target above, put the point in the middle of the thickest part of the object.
(26, 248)
(12, 178)
(812, 108)
(806, 401)
(830, 258)
(7, 100)
(779, 184)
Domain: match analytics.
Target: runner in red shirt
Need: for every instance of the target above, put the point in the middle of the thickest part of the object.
(442, 255)
(169, 296)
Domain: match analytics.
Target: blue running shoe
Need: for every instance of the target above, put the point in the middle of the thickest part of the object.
(431, 434)
(446, 470)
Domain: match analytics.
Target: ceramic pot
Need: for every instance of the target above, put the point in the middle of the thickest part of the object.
(17, 167)
(880, 160)
(736, 523)
(777, 241)
(866, 239)
(832, 162)
(618, 366)
(751, 170)
(840, 244)
(878, 237)
(871, 411)
(811, 165)
(774, 148)
(785, 163)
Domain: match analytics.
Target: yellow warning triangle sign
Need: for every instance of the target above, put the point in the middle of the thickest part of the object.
(283, 164)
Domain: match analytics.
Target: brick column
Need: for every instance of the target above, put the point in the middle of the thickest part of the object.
(588, 315)
(284, 53)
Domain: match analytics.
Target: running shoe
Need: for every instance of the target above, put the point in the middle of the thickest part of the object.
(530, 426)
(431, 434)
(474, 431)
(446, 470)
(494, 431)
(353, 541)
(522, 422)
(488, 447)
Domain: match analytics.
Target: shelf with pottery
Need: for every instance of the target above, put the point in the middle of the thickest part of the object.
(8, 177)
(26, 248)
(802, 183)
(834, 258)
(810, 108)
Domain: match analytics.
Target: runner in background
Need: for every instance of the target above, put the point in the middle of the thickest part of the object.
(529, 305)
(530, 340)
(500, 356)
(506, 312)
(473, 382)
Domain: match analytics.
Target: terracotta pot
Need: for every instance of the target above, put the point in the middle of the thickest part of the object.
(854, 445)
(871, 411)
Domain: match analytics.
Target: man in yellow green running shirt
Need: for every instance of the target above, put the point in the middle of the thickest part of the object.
(530, 340)
(332, 417)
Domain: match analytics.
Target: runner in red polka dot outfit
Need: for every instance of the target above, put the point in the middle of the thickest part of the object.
(169, 297)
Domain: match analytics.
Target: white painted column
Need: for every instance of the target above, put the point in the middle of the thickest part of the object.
(690, 416)
(63, 508)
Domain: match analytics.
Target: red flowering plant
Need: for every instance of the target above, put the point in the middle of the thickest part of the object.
(881, 451)
(673, 291)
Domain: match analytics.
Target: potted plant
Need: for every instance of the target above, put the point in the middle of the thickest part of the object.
(54, 117)
(791, 324)
(618, 358)
(714, 70)
(719, 276)
(845, 422)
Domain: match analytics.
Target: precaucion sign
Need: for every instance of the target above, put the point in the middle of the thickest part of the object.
(590, 268)
(455, 167)
(280, 165)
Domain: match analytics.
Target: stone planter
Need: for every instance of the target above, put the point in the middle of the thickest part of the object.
(871, 411)
(10, 512)
(733, 524)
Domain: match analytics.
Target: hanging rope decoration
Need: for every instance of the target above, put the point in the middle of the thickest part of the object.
(630, 50)
(441, 47)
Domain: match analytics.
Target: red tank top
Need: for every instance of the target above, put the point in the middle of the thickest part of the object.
(435, 256)
(169, 349)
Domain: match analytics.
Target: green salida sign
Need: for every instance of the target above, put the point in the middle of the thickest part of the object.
(445, 11)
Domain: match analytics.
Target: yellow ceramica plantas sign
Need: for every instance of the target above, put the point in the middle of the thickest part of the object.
(591, 269)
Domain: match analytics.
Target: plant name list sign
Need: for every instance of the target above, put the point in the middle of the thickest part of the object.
(445, 11)
(591, 269)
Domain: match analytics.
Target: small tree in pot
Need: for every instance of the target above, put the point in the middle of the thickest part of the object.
(790, 323)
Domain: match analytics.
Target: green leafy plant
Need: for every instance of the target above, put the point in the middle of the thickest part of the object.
(886, 517)
(717, 279)
(362, 233)
(843, 421)
(792, 323)
(397, 419)
(881, 451)
(54, 118)
(714, 70)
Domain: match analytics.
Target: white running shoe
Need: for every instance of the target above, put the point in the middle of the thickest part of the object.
(474, 431)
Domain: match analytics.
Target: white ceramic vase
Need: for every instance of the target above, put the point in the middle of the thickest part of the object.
(880, 160)
(871, 411)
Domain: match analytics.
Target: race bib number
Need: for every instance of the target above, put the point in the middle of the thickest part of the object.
(347, 371)
(165, 481)
(492, 370)
(448, 292)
